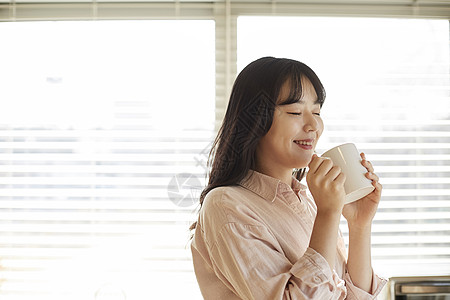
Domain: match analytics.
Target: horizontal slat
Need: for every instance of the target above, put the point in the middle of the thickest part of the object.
(387, 134)
(168, 134)
(151, 256)
(409, 241)
(96, 216)
(414, 204)
(157, 205)
(116, 169)
(58, 10)
(413, 169)
(123, 193)
(412, 124)
(414, 180)
(86, 228)
(111, 146)
(106, 157)
(140, 136)
(175, 157)
(120, 181)
(411, 267)
(95, 263)
(416, 216)
(422, 227)
(175, 240)
(6, 132)
(51, 287)
(174, 169)
(396, 146)
(118, 204)
(414, 192)
(355, 2)
(393, 251)
(327, 2)
(163, 192)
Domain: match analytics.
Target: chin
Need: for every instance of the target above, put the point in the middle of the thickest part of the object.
(301, 165)
(303, 162)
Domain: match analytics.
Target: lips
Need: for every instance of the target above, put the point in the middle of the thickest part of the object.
(305, 144)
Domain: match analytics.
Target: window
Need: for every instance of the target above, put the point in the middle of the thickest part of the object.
(100, 125)
(105, 128)
(388, 91)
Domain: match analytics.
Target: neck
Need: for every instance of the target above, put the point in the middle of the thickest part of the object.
(285, 175)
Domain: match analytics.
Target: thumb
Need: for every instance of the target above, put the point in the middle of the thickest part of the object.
(314, 156)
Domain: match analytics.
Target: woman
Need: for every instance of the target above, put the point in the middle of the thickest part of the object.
(259, 235)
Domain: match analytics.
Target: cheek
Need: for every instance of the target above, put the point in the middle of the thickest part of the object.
(267, 142)
(320, 127)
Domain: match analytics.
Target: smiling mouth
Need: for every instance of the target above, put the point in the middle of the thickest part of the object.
(304, 143)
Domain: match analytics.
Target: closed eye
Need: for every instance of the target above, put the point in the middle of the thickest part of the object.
(295, 114)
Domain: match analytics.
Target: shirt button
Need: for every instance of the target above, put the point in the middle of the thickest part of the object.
(316, 279)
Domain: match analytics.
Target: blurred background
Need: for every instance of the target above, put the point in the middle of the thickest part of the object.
(108, 111)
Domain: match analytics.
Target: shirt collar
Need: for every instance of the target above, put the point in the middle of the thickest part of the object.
(268, 187)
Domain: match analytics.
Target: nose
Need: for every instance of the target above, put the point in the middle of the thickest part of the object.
(311, 122)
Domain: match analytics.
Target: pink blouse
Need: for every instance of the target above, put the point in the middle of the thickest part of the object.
(251, 242)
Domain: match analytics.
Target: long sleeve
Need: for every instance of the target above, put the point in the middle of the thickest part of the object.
(355, 293)
(247, 259)
(251, 242)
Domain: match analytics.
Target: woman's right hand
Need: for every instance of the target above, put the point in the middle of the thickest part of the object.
(326, 183)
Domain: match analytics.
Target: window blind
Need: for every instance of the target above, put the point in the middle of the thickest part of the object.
(77, 152)
(16, 10)
(388, 91)
(103, 131)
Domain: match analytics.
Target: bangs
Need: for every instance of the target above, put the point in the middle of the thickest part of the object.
(295, 76)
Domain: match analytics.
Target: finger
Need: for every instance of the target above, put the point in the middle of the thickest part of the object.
(372, 176)
(334, 172)
(324, 167)
(378, 188)
(367, 164)
(340, 179)
(377, 185)
(314, 163)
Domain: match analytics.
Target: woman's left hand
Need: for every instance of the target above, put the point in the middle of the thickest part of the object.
(361, 212)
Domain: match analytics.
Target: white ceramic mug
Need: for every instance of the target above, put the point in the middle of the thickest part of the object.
(356, 184)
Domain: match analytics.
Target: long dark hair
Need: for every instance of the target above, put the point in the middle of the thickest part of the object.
(249, 117)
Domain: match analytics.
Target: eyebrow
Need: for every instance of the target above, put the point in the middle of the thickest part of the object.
(301, 101)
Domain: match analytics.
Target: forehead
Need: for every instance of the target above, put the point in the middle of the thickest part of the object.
(308, 93)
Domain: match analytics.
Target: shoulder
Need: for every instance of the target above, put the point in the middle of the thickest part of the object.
(230, 204)
(226, 200)
(224, 196)
(230, 210)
